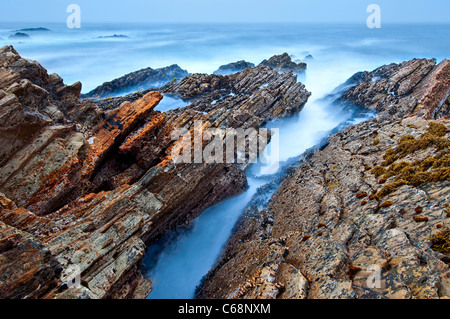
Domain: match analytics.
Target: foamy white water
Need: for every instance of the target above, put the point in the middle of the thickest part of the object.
(299, 133)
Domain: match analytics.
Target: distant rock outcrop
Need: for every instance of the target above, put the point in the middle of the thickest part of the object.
(90, 187)
(233, 67)
(19, 35)
(138, 81)
(114, 36)
(40, 29)
(284, 63)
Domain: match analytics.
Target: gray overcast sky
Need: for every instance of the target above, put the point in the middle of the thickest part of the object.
(321, 11)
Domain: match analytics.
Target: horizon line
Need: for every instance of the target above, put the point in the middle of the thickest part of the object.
(237, 22)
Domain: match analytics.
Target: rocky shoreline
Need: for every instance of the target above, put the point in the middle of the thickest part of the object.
(146, 80)
(90, 187)
(91, 183)
(374, 198)
(138, 81)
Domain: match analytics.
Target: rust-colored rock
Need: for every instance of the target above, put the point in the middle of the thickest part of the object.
(28, 270)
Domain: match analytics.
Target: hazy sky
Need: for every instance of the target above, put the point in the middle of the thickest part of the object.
(321, 11)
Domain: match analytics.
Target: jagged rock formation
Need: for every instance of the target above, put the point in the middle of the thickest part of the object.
(367, 215)
(235, 67)
(258, 98)
(39, 29)
(19, 35)
(143, 81)
(87, 187)
(138, 81)
(207, 91)
(284, 63)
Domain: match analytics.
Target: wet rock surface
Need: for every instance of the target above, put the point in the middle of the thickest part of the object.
(231, 68)
(284, 63)
(146, 80)
(19, 36)
(39, 29)
(91, 187)
(114, 36)
(360, 217)
(138, 80)
(32, 279)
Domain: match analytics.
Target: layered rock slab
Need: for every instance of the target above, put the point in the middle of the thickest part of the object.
(343, 224)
